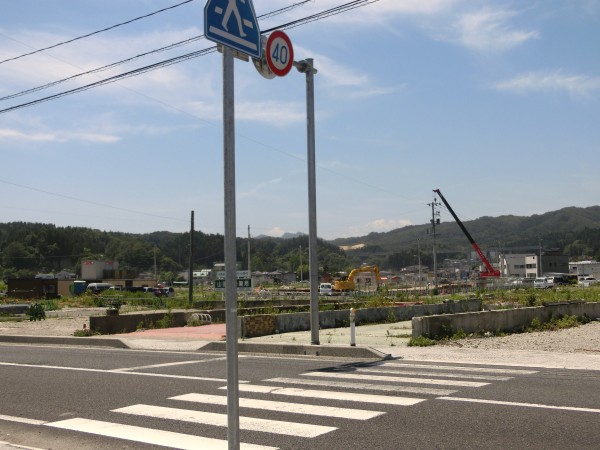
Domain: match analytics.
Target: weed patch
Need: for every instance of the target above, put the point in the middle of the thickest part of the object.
(556, 323)
(421, 341)
(36, 312)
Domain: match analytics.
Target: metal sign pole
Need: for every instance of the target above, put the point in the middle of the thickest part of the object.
(312, 204)
(233, 426)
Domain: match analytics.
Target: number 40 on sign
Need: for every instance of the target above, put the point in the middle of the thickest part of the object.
(280, 53)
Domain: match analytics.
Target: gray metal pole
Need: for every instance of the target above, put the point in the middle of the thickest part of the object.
(312, 204)
(233, 425)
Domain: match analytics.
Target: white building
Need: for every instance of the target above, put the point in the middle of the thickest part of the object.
(98, 269)
(585, 268)
(202, 276)
(520, 265)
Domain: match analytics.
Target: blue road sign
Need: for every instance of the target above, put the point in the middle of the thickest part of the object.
(233, 23)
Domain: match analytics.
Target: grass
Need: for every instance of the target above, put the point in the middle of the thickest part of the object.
(421, 341)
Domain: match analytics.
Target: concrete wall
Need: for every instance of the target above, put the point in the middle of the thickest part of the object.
(510, 320)
(266, 324)
(252, 326)
(127, 323)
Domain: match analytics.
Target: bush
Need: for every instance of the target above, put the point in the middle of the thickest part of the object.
(36, 312)
(421, 341)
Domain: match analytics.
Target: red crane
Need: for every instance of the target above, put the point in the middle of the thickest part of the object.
(490, 271)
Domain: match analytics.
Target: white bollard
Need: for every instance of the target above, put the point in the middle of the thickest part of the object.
(352, 327)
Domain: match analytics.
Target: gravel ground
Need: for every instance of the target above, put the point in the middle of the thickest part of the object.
(585, 338)
(64, 326)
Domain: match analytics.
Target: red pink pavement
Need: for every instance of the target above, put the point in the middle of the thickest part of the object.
(214, 332)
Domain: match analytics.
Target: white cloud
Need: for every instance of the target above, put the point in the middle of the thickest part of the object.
(489, 30)
(271, 112)
(6, 134)
(275, 232)
(60, 136)
(256, 189)
(379, 226)
(365, 15)
(556, 81)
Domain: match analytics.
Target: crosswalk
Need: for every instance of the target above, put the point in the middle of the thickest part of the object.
(310, 405)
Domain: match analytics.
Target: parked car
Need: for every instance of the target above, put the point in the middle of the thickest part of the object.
(325, 289)
(541, 283)
(96, 288)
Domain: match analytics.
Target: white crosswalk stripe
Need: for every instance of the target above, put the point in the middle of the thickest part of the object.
(392, 384)
(331, 395)
(362, 386)
(148, 435)
(294, 408)
(461, 368)
(220, 420)
(395, 379)
(430, 374)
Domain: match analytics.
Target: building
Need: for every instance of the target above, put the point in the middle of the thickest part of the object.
(553, 261)
(202, 276)
(33, 288)
(522, 265)
(585, 268)
(98, 269)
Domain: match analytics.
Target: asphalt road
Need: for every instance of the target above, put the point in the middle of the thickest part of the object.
(67, 398)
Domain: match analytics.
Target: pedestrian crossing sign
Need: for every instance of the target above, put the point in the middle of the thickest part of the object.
(233, 23)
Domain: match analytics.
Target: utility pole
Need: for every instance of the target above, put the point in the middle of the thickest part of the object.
(540, 261)
(419, 259)
(435, 220)
(191, 263)
(155, 274)
(301, 265)
(249, 272)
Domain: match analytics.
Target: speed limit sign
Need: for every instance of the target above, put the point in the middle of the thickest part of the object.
(280, 53)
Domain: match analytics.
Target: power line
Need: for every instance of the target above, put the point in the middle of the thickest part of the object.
(318, 16)
(141, 55)
(96, 32)
(89, 201)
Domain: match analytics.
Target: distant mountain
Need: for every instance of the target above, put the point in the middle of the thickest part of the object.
(489, 232)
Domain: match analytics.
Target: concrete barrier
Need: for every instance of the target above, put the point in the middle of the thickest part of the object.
(14, 308)
(508, 320)
(127, 323)
(252, 326)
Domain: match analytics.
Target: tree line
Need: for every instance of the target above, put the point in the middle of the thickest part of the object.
(27, 249)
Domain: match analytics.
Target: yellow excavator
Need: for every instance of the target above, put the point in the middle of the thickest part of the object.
(349, 284)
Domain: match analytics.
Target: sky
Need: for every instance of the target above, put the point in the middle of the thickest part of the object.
(496, 103)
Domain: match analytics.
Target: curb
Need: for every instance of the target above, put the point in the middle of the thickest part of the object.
(64, 340)
(301, 350)
(331, 351)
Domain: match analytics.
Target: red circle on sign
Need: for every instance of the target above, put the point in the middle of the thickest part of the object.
(280, 53)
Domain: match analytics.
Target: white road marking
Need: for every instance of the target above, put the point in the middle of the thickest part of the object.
(179, 363)
(463, 368)
(363, 386)
(331, 395)
(295, 408)
(22, 420)
(11, 445)
(117, 371)
(526, 405)
(395, 379)
(148, 435)
(220, 420)
(430, 374)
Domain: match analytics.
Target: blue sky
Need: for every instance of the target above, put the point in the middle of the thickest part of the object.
(496, 103)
